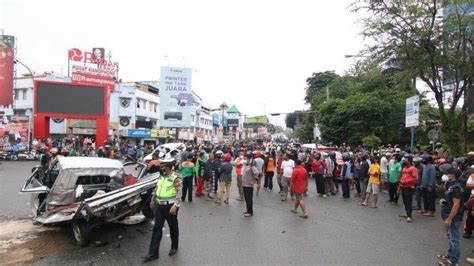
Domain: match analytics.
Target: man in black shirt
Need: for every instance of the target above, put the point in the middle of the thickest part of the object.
(452, 213)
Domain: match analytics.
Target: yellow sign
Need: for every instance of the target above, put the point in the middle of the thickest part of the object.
(159, 133)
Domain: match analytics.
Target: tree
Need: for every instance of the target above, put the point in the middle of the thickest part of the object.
(305, 132)
(431, 40)
(317, 85)
(294, 119)
(370, 102)
(372, 141)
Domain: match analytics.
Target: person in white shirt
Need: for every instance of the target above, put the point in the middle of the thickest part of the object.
(259, 162)
(384, 171)
(287, 167)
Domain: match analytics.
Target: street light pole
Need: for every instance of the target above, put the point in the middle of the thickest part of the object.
(30, 113)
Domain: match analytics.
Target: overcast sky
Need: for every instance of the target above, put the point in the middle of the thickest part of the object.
(247, 53)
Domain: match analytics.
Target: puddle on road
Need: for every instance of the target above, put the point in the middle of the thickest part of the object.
(23, 243)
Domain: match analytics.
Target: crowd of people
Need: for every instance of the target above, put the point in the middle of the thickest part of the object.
(418, 178)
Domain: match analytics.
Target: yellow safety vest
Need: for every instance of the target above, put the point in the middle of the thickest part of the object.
(165, 189)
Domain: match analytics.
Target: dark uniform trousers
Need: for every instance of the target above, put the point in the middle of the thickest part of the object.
(162, 213)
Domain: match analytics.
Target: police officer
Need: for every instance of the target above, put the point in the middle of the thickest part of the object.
(166, 202)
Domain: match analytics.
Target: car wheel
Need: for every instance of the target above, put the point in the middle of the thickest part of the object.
(82, 232)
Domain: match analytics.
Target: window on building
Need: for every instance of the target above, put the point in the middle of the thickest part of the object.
(138, 103)
(17, 96)
(25, 92)
(192, 118)
(155, 107)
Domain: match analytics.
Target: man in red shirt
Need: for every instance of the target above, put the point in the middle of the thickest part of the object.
(299, 179)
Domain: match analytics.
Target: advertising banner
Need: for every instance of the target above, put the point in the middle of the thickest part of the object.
(412, 111)
(176, 97)
(12, 133)
(7, 50)
(91, 68)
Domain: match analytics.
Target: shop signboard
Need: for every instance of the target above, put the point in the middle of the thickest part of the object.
(139, 133)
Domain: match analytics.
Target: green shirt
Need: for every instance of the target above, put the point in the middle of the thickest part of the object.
(395, 172)
(187, 171)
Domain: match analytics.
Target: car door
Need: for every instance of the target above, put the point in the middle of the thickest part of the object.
(35, 184)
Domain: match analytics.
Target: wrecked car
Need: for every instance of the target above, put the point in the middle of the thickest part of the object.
(88, 191)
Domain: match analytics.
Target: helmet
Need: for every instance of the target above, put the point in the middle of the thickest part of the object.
(167, 161)
(460, 160)
(227, 157)
(219, 153)
(257, 153)
(346, 157)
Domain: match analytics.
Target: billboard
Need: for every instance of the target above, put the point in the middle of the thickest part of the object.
(69, 99)
(7, 55)
(91, 68)
(176, 97)
(412, 111)
(13, 132)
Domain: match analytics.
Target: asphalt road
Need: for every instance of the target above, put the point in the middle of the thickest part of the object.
(13, 204)
(337, 232)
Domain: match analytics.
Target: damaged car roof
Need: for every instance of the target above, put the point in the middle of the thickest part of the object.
(88, 162)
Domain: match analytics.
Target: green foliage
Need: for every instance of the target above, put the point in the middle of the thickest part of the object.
(371, 141)
(370, 102)
(429, 39)
(293, 119)
(317, 85)
(305, 132)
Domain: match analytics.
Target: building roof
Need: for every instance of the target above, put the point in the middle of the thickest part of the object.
(233, 110)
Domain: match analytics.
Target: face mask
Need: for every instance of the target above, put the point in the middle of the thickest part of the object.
(444, 178)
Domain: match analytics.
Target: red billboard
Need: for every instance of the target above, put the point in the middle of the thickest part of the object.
(7, 55)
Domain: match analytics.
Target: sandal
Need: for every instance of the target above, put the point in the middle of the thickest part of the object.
(373, 206)
(428, 214)
(364, 204)
(304, 216)
(442, 257)
(293, 211)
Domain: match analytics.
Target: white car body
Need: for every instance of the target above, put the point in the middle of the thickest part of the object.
(166, 150)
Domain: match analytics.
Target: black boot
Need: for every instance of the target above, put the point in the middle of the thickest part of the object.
(173, 251)
(150, 257)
